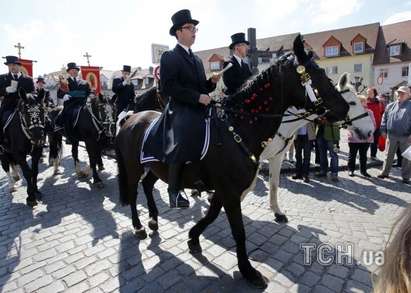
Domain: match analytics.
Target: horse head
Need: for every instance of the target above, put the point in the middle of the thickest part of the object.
(358, 119)
(325, 92)
(32, 116)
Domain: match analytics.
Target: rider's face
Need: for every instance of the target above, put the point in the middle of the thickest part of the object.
(186, 35)
(14, 68)
(73, 72)
(125, 74)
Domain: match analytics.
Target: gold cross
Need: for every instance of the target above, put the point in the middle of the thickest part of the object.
(19, 47)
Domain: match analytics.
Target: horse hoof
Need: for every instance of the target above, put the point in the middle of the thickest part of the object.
(153, 224)
(99, 185)
(31, 202)
(258, 280)
(280, 218)
(140, 233)
(194, 247)
(12, 189)
(101, 168)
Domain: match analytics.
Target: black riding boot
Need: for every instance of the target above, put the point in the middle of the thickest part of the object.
(174, 185)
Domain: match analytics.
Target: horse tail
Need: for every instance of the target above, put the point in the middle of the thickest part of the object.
(122, 176)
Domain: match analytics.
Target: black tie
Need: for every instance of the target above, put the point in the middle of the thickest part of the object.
(75, 81)
(242, 63)
(190, 53)
(15, 76)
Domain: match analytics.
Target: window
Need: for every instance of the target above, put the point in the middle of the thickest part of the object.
(332, 70)
(331, 51)
(384, 72)
(358, 47)
(357, 68)
(395, 50)
(215, 66)
(404, 71)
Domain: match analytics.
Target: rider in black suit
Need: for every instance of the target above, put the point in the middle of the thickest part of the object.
(10, 84)
(184, 82)
(240, 71)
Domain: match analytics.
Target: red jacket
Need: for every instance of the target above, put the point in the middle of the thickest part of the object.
(377, 109)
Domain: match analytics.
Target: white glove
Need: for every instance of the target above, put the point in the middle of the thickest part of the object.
(66, 97)
(126, 81)
(11, 90)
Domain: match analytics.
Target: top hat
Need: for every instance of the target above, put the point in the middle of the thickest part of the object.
(72, 65)
(12, 60)
(238, 38)
(40, 79)
(180, 18)
(127, 68)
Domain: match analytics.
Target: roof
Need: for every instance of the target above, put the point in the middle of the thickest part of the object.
(344, 36)
(393, 34)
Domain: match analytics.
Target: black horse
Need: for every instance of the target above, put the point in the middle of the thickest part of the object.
(238, 131)
(149, 100)
(25, 135)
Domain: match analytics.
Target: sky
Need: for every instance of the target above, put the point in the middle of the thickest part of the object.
(55, 32)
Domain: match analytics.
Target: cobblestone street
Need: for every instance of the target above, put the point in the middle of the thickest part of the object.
(80, 239)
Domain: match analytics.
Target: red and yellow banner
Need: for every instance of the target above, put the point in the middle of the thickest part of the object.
(27, 67)
(91, 74)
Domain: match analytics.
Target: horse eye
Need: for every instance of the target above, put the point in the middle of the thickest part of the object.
(352, 103)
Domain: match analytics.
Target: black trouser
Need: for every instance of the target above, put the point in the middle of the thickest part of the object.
(175, 171)
(374, 145)
(354, 148)
(302, 148)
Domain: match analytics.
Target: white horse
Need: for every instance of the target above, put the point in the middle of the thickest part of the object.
(358, 121)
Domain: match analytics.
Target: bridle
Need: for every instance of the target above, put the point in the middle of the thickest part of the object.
(34, 113)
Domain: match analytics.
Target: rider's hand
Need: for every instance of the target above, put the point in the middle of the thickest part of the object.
(215, 78)
(204, 99)
(10, 89)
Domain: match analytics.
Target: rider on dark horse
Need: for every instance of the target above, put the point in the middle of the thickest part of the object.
(75, 97)
(240, 71)
(124, 90)
(184, 82)
(10, 84)
(43, 93)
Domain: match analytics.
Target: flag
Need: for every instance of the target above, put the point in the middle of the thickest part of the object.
(27, 67)
(91, 74)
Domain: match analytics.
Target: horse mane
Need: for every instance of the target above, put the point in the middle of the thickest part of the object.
(147, 94)
(260, 80)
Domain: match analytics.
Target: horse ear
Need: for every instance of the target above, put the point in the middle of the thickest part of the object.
(343, 81)
(299, 51)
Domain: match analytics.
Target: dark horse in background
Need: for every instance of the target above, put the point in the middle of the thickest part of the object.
(89, 129)
(237, 133)
(25, 135)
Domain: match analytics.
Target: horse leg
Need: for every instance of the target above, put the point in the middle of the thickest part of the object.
(232, 206)
(148, 184)
(93, 155)
(6, 167)
(100, 161)
(74, 152)
(28, 175)
(15, 172)
(138, 227)
(194, 234)
(275, 169)
(35, 158)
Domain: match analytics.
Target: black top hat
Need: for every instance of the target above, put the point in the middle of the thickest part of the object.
(12, 60)
(180, 18)
(238, 38)
(40, 79)
(72, 65)
(126, 68)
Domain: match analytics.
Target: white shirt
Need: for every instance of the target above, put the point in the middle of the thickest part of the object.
(238, 59)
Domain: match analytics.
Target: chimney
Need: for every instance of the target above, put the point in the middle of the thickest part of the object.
(252, 52)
